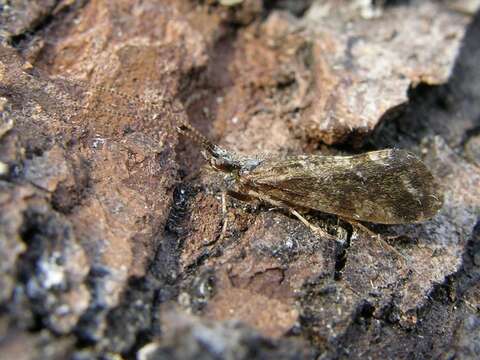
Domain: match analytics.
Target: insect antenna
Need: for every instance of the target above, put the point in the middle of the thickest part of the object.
(189, 131)
(166, 106)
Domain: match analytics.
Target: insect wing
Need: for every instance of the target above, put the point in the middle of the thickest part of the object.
(386, 186)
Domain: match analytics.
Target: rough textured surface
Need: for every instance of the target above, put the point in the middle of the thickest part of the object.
(365, 60)
(20, 16)
(111, 229)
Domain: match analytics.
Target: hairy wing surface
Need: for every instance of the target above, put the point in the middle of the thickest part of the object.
(386, 186)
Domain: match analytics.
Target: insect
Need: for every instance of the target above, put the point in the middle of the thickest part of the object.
(386, 186)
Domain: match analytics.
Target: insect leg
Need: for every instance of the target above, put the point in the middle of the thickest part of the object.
(5, 127)
(224, 217)
(360, 226)
(240, 196)
(313, 228)
(378, 237)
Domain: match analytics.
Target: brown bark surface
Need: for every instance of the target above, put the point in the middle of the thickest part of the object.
(111, 241)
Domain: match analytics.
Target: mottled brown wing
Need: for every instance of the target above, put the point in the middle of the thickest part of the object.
(386, 186)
